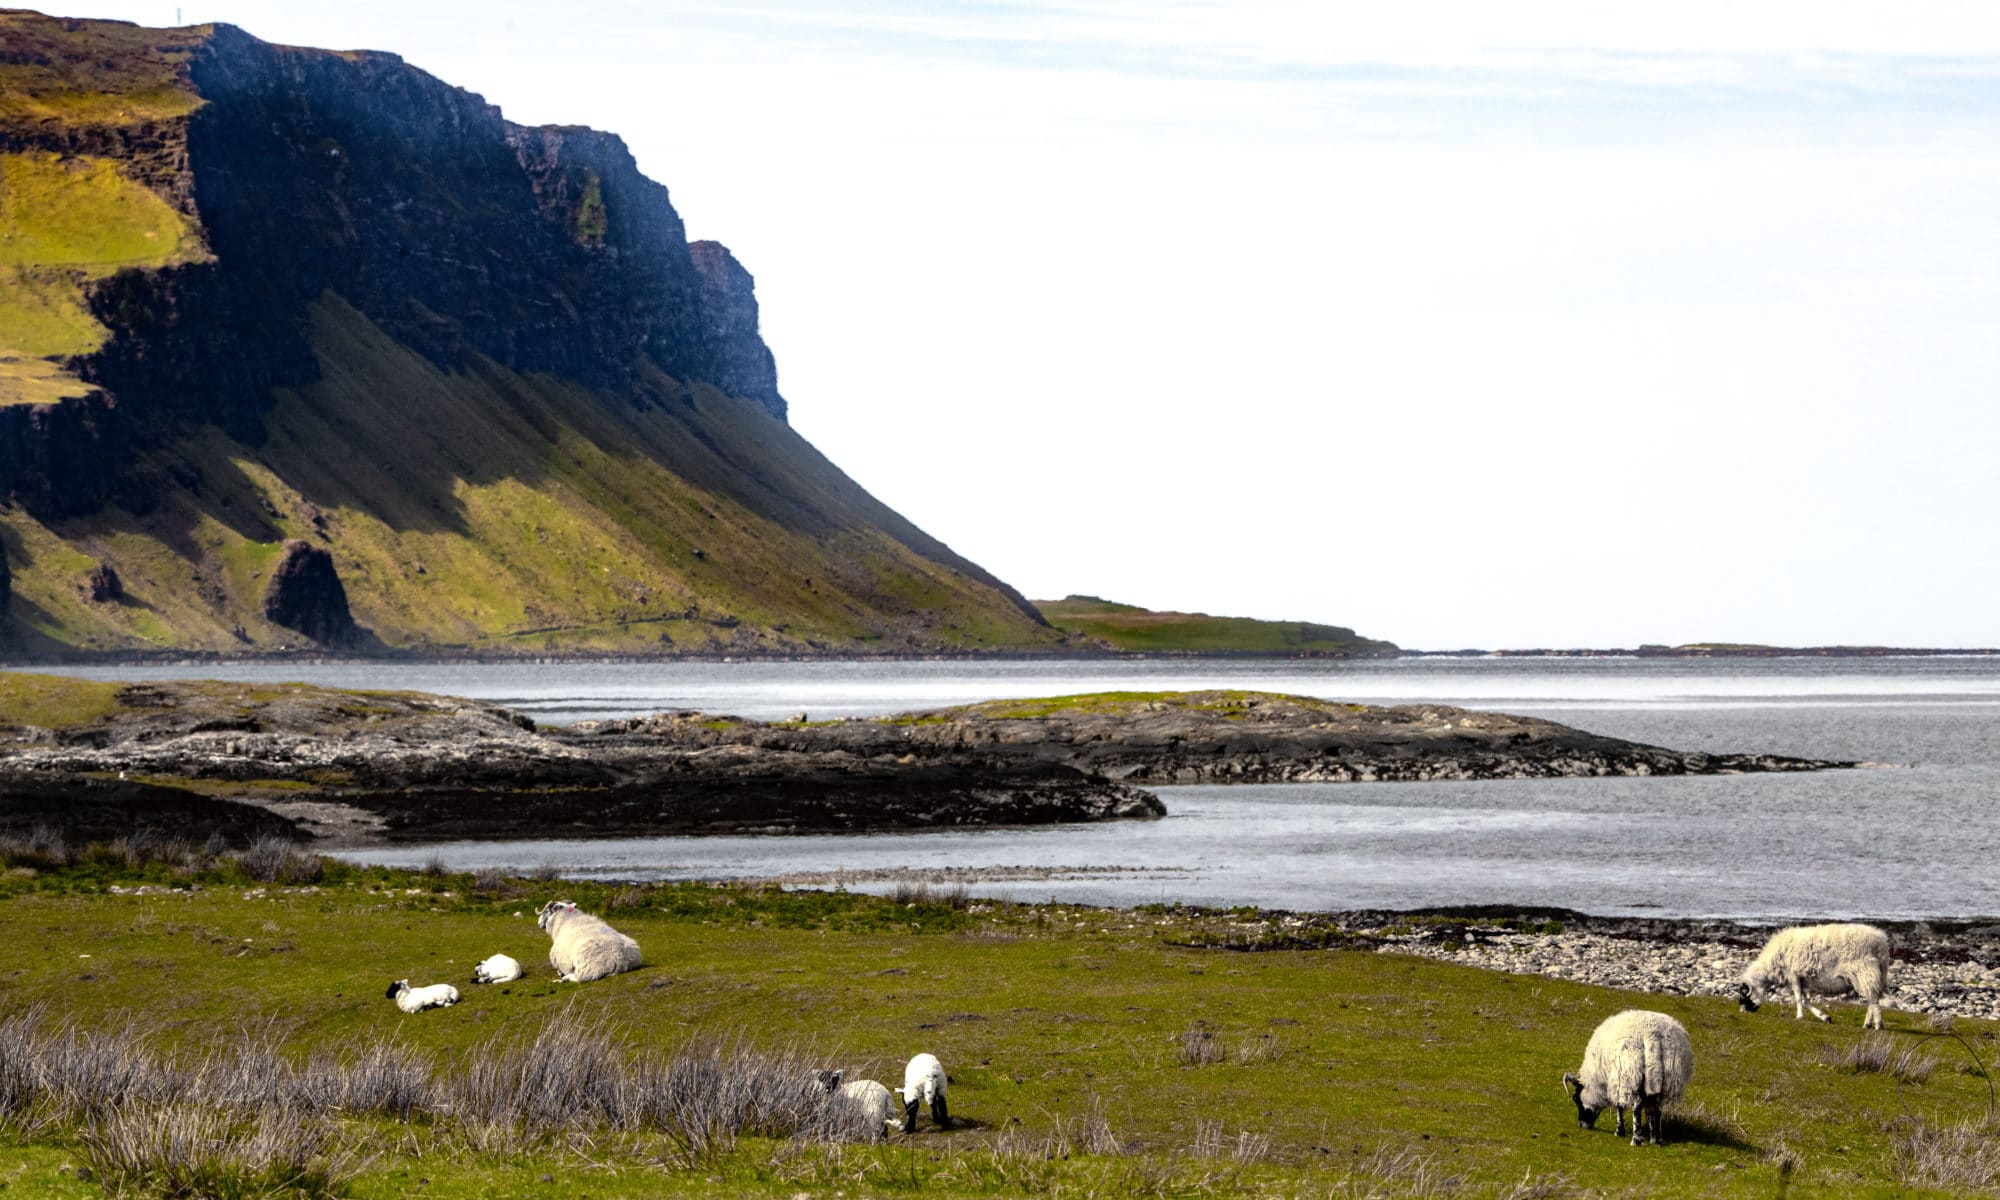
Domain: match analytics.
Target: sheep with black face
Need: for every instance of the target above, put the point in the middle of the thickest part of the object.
(1636, 1060)
(1820, 960)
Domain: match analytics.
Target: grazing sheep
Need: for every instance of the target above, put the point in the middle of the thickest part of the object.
(498, 969)
(923, 1082)
(416, 1000)
(863, 1106)
(1638, 1060)
(583, 948)
(1823, 960)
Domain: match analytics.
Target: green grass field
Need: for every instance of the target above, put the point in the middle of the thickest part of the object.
(1131, 628)
(1090, 1054)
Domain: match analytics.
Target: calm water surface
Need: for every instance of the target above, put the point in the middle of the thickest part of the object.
(1918, 839)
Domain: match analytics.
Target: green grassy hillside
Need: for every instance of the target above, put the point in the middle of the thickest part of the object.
(501, 513)
(1131, 628)
(1091, 1053)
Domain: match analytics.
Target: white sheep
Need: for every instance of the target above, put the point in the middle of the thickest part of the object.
(498, 969)
(1636, 1060)
(1823, 960)
(416, 1000)
(583, 948)
(863, 1106)
(923, 1082)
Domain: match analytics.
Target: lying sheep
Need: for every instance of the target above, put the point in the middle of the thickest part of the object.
(1636, 1060)
(416, 1000)
(498, 969)
(863, 1106)
(923, 1082)
(583, 948)
(1824, 960)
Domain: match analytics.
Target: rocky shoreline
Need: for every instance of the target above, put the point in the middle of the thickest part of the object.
(351, 768)
(1942, 967)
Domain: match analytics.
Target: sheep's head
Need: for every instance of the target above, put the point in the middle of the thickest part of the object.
(396, 989)
(830, 1080)
(1588, 1101)
(549, 910)
(1749, 994)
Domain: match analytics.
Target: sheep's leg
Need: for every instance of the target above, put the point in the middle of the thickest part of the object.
(939, 1114)
(1873, 1017)
(910, 1116)
(1799, 999)
(1814, 1009)
(1653, 1119)
(1620, 1131)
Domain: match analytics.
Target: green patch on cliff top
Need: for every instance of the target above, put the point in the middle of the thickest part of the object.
(64, 223)
(1128, 627)
(94, 72)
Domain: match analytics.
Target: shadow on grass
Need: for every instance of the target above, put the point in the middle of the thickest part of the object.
(1704, 1130)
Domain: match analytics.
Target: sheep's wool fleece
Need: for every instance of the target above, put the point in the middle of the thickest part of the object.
(583, 948)
(1638, 1054)
(867, 1104)
(1819, 952)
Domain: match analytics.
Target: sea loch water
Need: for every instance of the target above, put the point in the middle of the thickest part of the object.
(1917, 839)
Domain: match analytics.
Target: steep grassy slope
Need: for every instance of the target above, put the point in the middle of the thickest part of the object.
(1131, 628)
(499, 512)
(253, 293)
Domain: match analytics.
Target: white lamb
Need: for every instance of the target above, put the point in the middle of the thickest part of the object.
(864, 1106)
(1823, 960)
(416, 1000)
(498, 969)
(1636, 1060)
(582, 947)
(923, 1082)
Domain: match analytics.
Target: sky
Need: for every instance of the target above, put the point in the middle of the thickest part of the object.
(1463, 324)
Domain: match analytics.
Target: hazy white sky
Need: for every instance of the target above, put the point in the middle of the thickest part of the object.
(1465, 324)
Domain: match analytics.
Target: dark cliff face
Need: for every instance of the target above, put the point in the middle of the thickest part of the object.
(477, 367)
(457, 233)
(743, 365)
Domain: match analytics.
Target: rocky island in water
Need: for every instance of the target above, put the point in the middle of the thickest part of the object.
(350, 767)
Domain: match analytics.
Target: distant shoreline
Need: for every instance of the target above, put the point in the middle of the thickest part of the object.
(433, 658)
(1718, 651)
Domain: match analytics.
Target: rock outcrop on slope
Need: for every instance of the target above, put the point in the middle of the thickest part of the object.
(255, 293)
(305, 594)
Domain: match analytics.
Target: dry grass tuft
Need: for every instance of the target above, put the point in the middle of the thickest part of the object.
(271, 859)
(955, 896)
(1878, 1053)
(189, 1150)
(1199, 1048)
(1957, 1158)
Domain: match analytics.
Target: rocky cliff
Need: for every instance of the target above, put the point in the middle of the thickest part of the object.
(251, 293)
